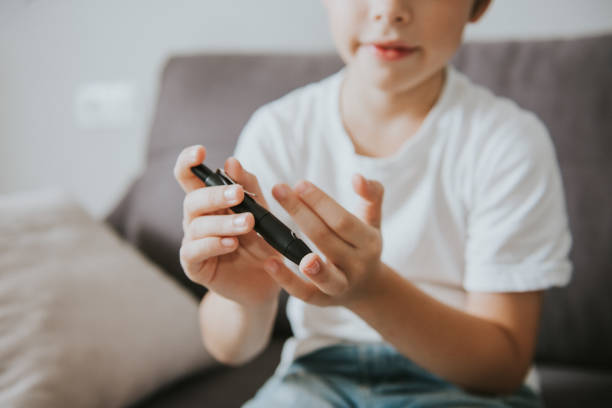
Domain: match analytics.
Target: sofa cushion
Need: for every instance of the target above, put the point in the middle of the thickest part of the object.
(220, 387)
(85, 320)
(564, 387)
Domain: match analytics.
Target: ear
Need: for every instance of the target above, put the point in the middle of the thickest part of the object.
(480, 7)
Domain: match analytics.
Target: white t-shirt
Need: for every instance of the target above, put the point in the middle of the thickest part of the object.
(473, 201)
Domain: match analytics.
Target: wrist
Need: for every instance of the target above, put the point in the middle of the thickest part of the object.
(370, 289)
(259, 307)
(233, 332)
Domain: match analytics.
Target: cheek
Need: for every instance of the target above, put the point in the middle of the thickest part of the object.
(342, 39)
(444, 37)
(345, 22)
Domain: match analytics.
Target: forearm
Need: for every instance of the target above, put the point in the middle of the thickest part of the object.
(233, 333)
(467, 350)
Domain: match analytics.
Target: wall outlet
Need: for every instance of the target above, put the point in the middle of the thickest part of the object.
(105, 106)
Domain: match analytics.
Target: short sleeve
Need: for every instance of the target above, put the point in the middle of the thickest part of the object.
(518, 236)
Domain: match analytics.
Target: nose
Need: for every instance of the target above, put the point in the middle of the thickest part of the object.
(392, 12)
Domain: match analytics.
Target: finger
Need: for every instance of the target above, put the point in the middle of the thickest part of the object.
(256, 245)
(209, 199)
(189, 157)
(293, 284)
(249, 181)
(341, 221)
(220, 225)
(194, 252)
(326, 277)
(187, 219)
(202, 273)
(369, 207)
(311, 224)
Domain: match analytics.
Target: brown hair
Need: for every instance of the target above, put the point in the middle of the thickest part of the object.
(477, 5)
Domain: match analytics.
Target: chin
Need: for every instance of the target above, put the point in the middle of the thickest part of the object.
(389, 80)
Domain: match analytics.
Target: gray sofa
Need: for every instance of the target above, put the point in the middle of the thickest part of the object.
(207, 99)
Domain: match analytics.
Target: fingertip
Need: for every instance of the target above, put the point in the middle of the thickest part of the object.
(310, 264)
(250, 218)
(240, 190)
(196, 154)
(237, 162)
(381, 188)
(309, 257)
(233, 168)
(280, 191)
(271, 265)
(360, 184)
(232, 161)
(228, 242)
(189, 157)
(229, 163)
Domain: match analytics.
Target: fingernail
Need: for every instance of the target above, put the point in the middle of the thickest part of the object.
(193, 154)
(271, 267)
(237, 161)
(231, 193)
(302, 187)
(313, 268)
(240, 221)
(281, 191)
(227, 242)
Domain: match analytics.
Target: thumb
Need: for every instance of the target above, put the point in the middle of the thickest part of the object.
(247, 180)
(369, 206)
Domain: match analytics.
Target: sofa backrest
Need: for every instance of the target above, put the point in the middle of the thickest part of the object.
(207, 99)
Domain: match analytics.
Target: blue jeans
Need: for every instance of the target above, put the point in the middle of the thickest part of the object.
(371, 375)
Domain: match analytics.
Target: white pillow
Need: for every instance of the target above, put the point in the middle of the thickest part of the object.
(85, 320)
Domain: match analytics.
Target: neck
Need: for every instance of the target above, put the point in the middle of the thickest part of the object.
(363, 100)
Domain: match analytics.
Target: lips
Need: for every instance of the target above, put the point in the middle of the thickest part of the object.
(392, 51)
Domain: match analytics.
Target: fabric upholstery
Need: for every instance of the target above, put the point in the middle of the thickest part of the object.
(85, 320)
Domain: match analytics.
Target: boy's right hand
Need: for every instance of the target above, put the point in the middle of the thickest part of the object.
(234, 271)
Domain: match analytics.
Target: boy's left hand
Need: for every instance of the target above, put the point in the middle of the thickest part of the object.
(352, 244)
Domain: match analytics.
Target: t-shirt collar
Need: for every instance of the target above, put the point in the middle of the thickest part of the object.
(412, 149)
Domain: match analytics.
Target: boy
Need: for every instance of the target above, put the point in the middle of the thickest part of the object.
(428, 298)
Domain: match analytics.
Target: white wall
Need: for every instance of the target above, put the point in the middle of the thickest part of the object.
(51, 50)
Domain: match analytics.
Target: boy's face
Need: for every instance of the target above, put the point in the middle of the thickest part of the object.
(397, 44)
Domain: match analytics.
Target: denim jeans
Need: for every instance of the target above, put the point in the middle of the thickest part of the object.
(370, 375)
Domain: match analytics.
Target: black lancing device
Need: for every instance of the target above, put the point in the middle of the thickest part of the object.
(267, 225)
